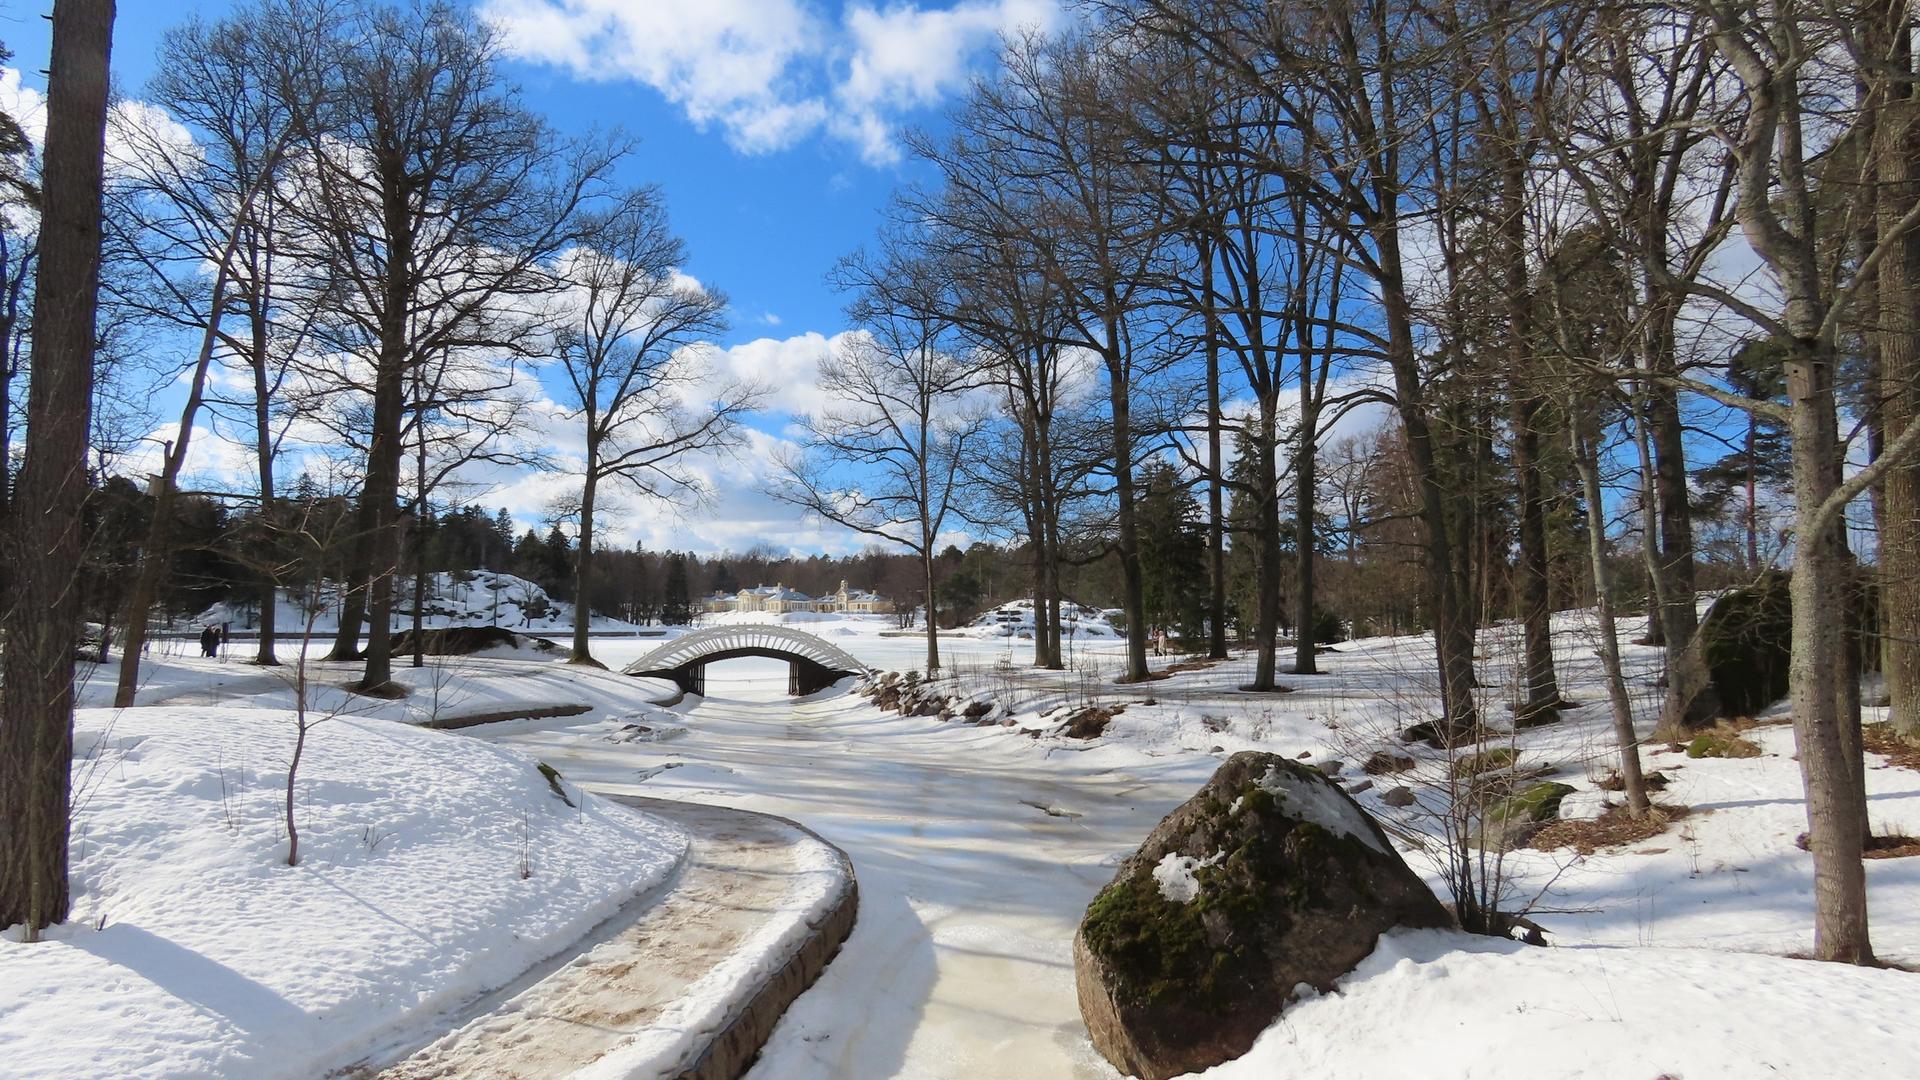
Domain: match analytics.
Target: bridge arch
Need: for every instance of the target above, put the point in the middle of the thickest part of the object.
(813, 663)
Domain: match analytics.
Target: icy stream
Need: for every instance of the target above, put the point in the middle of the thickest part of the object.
(977, 852)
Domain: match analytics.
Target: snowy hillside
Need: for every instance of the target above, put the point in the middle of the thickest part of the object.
(432, 868)
(1016, 620)
(461, 598)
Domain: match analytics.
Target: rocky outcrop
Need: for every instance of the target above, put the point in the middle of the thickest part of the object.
(1268, 879)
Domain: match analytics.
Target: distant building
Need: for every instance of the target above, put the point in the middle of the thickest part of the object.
(777, 599)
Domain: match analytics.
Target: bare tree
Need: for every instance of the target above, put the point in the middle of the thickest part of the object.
(434, 199)
(633, 347)
(181, 208)
(1775, 147)
(886, 457)
(46, 537)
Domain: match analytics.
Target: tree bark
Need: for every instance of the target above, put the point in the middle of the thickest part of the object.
(1633, 781)
(583, 566)
(41, 617)
(263, 457)
(1898, 342)
(1216, 480)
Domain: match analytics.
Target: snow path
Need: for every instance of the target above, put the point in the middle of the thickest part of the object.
(961, 962)
(649, 993)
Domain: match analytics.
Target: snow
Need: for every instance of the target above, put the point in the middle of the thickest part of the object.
(1315, 800)
(194, 950)
(1174, 873)
(978, 848)
(1440, 1005)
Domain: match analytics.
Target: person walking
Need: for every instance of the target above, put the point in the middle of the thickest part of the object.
(209, 639)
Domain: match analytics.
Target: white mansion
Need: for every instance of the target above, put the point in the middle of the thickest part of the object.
(779, 600)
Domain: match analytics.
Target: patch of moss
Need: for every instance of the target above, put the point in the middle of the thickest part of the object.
(553, 781)
(1201, 952)
(1492, 760)
(1536, 802)
(1722, 744)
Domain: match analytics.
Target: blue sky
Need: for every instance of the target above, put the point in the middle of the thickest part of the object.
(771, 126)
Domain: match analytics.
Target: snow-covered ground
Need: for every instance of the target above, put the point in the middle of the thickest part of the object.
(978, 848)
(432, 868)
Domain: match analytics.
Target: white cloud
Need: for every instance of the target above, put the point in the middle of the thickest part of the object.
(770, 73)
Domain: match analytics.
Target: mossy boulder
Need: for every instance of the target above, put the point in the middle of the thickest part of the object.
(467, 640)
(1507, 822)
(1746, 640)
(1269, 878)
(1497, 759)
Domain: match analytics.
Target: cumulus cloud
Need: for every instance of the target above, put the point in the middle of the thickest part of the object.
(771, 73)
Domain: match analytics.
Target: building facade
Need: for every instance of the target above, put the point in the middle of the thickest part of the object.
(777, 599)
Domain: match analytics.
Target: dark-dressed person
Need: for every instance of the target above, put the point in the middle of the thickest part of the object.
(209, 641)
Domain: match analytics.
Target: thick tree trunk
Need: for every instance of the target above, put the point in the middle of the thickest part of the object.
(1691, 701)
(583, 569)
(382, 493)
(1216, 479)
(1306, 494)
(1266, 504)
(354, 583)
(1540, 687)
(1132, 595)
(1835, 807)
(263, 457)
(42, 609)
(1452, 631)
(1898, 287)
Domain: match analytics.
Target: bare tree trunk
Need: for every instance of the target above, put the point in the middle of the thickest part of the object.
(381, 495)
(263, 457)
(1132, 593)
(41, 617)
(583, 567)
(156, 552)
(1835, 821)
(933, 622)
(1306, 494)
(1898, 342)
(1541, 686)
(1216, 480)
(1691, 700)
(1632, 780)
(1267, 532)
(353, 584)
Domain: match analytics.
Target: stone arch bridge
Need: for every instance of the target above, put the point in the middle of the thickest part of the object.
(813, 663)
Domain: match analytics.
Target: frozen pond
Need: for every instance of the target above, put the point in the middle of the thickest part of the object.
(976, 852)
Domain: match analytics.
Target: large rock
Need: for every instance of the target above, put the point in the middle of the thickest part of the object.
(1269, 878)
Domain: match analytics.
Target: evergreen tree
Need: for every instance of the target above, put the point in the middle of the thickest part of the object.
(1173, 554)
(677, 610)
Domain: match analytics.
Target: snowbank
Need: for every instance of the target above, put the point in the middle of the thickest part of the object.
(433, 868)
(1438, 1005)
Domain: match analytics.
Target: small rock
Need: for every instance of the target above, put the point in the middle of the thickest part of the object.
(1382, 762)
(1331, 766)
(1355, 789)
(1398, 797)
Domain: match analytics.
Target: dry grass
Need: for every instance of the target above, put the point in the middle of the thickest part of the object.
(1612, 781)
(1614, 828)
(1883, 740)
